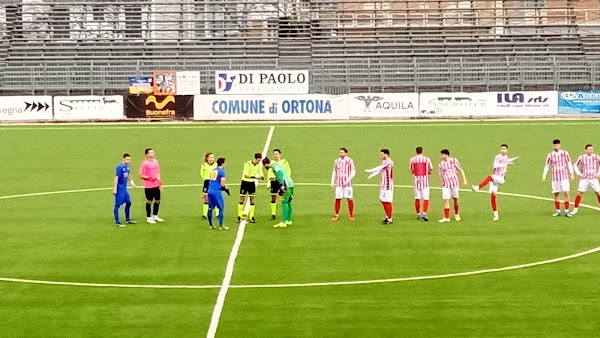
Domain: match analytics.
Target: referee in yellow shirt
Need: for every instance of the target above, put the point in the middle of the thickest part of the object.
(252, 172)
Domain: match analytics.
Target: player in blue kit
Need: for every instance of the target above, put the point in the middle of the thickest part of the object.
(215, 196)
(122, 177)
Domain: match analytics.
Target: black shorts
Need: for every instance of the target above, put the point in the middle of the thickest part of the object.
(153, 194)
(248, 188)
(205, 187)
(275, 187)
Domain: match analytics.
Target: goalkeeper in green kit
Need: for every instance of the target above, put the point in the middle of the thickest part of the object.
(286, 190)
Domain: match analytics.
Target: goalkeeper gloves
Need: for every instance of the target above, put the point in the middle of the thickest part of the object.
(226, 190)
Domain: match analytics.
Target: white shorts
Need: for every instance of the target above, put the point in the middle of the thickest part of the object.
(343, 192)
(448, 193)
(495, 183)
(422, 194)
(587, 185)
(386, 195)
(561, 186)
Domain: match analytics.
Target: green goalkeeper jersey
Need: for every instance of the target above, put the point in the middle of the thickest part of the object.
(251, 169)
(286, 166)
(281, 175)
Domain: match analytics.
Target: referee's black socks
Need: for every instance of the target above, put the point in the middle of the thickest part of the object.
(148, 209)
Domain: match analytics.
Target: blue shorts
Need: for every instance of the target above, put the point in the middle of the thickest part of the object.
(215, 199)
(122, 198)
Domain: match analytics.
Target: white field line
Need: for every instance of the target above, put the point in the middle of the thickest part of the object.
(389, 280)
(218, 309)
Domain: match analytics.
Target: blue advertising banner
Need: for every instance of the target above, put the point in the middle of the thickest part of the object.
(579, 102)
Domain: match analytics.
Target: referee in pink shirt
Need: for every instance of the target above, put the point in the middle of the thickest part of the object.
(150, 174)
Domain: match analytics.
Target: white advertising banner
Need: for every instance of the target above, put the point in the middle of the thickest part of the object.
(188, 82)
(88, 107)
(261, 82)
(383, 105)
(22, 108)
(270, 107)
(456, 104)
(526, 103)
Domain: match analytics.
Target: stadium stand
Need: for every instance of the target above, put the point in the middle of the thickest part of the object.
(94, 46)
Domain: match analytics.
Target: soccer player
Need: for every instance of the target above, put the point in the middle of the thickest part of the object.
(589, 173)
(272, 180)
(562, 170)
(497, 178)
(421, 167)
(150, 173)
(341, 180)
(448, 168)
(215, 195)
(205, 170)
(286, 190)
(122, 176)
(252, 172)
(386, 190)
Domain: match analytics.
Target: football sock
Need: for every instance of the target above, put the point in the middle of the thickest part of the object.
(425, 206)
(417, 206)
(251, 213)
(446, 212)
(116, 214)
(456, 208)
(351, 207)
(127, 211)
(338, 205)
(494, 201)
(148, 209)
(556, 205)
(485, 181)
(567, 205)
(387, 206)
(221, 216)
(598, 198)
(577, 201)
(240, 209)
(273, 208)
(205, 209)
(209, 215)
(156, 206)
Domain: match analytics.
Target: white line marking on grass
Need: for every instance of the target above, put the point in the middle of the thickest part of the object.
(389, 280)
(214, 321)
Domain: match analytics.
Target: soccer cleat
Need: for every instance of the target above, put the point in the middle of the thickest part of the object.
(335, 218)
(351, 218)
(418, 216)
(568, 214)
(424, 217)
(386, 221)
(272, 217)
(210, 227)
(252, 220)
(150, 220)
(130, 221)
(457, 218)
(444, 220)
(223, 228)
(119, 225)
(288, 222)
(475, 187)
(575, 211)
(495, 218)
(158, 219)
(556, 213)
(203, 218)
(239, 219)
(280, 225)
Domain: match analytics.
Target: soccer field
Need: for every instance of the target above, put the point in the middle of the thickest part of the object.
(411, 278)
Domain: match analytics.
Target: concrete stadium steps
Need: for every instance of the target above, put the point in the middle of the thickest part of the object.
(591, 44)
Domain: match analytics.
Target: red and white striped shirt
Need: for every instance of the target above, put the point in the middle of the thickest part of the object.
(343, 172)
(420, 166)
(559, 160)
(501, 165)
(448, 171)
(589, 166)
(387, 174)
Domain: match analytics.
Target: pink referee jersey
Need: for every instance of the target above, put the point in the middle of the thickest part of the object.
(559, 160)
(387, 175)
(151, 169)
(420, 167)
(448, 172)
(500, 165)
(589, 166)
(344, 169)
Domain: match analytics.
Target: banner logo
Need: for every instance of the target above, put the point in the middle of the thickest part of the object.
(36, 106)
(224, 82)
(162, 104)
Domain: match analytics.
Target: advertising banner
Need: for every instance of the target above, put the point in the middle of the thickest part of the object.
(188, 83)
(22, 108)
(383, 105)
(165, 82)
(270, 107)
(579, 102)
(140, 85)
(234, 82)
(88, 107)
(164, 107)
(526, 103)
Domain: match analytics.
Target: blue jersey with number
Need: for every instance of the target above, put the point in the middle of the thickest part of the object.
(215, 179)
(122, 172)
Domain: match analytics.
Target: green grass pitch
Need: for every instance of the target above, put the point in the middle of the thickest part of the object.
(70, 237)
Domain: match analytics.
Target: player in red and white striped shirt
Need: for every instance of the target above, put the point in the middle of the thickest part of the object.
(341, 180)
(589, 173)
(386, 191)
(448, 168)
(421, 167)
(497, 178)
(562, 170)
